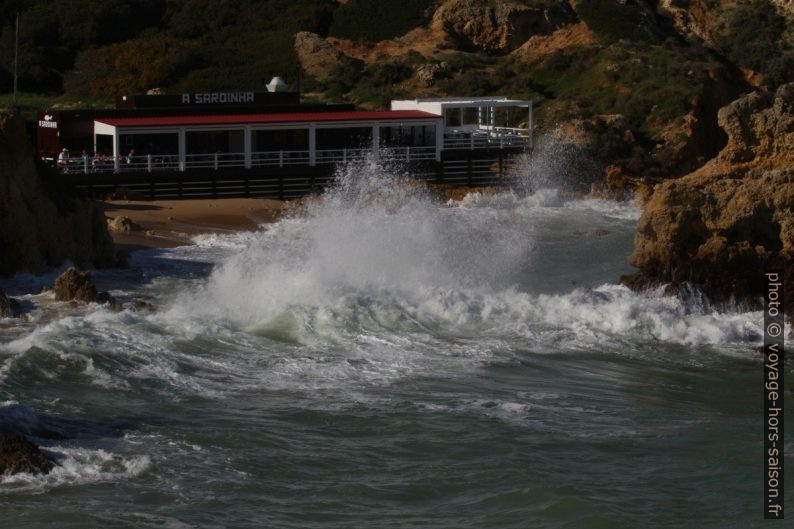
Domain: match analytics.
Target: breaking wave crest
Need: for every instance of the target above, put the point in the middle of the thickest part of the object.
(376, 281)
(378, 256)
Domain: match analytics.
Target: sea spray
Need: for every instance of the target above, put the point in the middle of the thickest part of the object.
(373, 231)
(378, 258)
(555, 164)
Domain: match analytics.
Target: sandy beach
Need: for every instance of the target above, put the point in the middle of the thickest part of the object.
(170, 223)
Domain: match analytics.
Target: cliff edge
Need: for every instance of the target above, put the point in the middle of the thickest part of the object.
(42, 224)
(722, 226)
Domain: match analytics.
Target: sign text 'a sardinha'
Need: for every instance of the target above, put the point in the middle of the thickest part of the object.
(215, 98)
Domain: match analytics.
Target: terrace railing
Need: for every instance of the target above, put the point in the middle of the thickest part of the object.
(501, 139)
(217, 161)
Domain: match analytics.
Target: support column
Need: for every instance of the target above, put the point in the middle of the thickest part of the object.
(529, 126)
(312, 145)
(439, 139)
(115, 150)
(247, 148)
(182, 149)
(376, 140)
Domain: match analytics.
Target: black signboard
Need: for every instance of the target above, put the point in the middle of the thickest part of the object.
(209, 99)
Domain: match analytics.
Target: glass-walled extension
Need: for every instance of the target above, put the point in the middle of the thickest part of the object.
(344, 138)
(268, 140)
(408, 142)
(214, 148)
(478, 122)
(284, 146)
(133, 151)
(343, 144)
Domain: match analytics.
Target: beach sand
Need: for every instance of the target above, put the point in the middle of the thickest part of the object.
(170, 223)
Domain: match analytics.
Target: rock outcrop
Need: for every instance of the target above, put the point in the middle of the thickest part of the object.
(318, 57)
(428, 74)
(697, 137)
(692, 17)
(18, 455)
(79, 286)
(9, 307)
(498, 28)
(122, 224)
(43, 223)
(723, 225)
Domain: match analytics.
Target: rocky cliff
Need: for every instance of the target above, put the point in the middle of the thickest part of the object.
(42, 224)
(499, 27)
(723, 225)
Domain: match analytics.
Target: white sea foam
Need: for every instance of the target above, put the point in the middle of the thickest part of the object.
(78, 466)
(378, 258)
(378, 282)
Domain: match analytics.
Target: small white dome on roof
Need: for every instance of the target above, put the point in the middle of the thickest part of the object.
(277, 84)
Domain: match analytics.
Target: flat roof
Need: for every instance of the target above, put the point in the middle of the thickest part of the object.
(298, 117)
(486, 99)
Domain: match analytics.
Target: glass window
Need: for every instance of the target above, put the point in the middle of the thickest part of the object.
(470, 116)
(452, 117)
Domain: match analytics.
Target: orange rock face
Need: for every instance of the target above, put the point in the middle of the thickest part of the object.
(723, 225)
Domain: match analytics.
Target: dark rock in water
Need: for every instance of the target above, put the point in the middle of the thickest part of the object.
(17, 455)
(9, 307)
(74, 285)
(140, 305)
(79, 286)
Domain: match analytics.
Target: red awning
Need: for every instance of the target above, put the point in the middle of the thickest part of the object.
(248, 119)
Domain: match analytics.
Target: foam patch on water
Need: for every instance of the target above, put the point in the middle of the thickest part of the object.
(78, 466)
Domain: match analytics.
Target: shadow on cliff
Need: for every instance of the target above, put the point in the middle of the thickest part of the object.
(43, 222)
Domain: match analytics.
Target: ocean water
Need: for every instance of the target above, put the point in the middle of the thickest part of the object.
(383, 360)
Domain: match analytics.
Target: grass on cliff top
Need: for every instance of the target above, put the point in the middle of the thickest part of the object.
(651, 85)
(29, 104)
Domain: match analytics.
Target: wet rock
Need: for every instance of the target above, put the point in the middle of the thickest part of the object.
(79, 286)
(140, 305)
(9, 307)
(722, 226)
(122, 224)
(74, 285)
(18, 455)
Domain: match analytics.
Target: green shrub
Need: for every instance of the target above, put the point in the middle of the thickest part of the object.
(612, 20)
(752, 39)
(376, 20)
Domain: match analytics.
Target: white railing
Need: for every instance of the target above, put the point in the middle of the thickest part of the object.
(279, 158)
(483, 140)
(216, 161)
